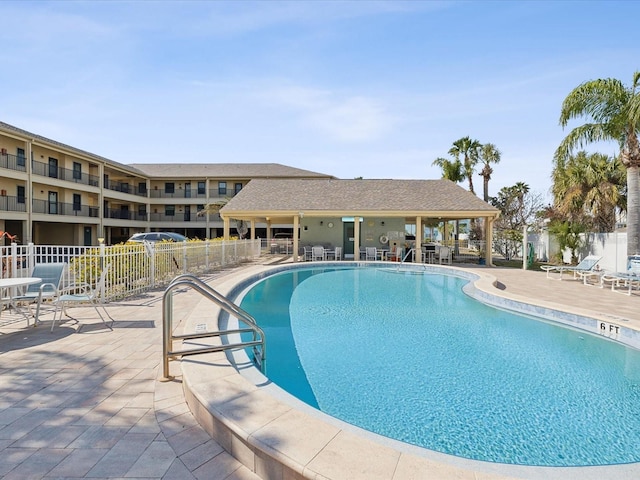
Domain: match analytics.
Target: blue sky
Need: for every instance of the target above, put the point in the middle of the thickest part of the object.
(372, 89)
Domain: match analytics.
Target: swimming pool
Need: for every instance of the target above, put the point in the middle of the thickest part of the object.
(373, 345)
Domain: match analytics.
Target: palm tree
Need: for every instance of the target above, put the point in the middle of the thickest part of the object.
(589, 188)
(469, 149)
(451, 170)
(488, 154)
(613, 113)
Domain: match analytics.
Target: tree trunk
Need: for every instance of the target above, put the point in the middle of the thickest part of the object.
(486, 189)
(633, 210)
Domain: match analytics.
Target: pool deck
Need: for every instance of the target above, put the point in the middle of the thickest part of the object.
(86, 402)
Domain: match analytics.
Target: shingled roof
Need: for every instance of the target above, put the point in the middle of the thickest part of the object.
(224, 170)
(391, 197)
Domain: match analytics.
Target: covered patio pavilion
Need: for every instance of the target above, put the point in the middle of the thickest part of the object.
(354, 213)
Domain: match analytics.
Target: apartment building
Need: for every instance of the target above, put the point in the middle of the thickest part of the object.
(52, 193)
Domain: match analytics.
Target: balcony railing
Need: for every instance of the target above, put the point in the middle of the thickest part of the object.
(176, 194)
(125, 188)
(69, 209)
(13, 204)
(13, 162)
(178, 217)
(48, 170)
(125, 214)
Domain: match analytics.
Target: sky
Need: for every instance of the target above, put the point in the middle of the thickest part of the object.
(371, 89)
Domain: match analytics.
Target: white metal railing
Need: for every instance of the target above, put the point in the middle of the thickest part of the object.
(135, 268)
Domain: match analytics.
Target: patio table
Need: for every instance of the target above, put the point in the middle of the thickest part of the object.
(11, 285)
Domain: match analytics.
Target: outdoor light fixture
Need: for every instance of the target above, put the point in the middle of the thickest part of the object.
(321, 223)
(382, 223)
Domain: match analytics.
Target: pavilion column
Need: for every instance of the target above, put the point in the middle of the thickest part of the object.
(268, 229)
(253, 229)
(356, 238)
(488, 235)
(296, 227)
(225, 229)
(417, 253)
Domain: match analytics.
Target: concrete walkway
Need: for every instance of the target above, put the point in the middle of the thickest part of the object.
(85, 401)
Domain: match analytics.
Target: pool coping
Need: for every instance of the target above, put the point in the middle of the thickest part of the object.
(278, 436)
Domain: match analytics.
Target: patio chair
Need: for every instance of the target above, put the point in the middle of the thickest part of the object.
(587, 265)
(83, 293)
(629, 278)
(371, 253)
(444, 255)
(47, 289)
(317, 253)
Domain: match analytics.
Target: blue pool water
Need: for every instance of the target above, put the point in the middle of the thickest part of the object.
(411, 357)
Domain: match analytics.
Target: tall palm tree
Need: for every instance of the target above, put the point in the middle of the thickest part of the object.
(469, 150)
(488, 154)
(612, 111)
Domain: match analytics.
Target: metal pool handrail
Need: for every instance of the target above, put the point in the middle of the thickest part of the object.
(191, 281)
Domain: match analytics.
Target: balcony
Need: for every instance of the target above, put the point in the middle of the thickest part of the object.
(68, 209)
(13, 162)
(46, 170)
(178, 217)
(12, 204)
(160, 193)
(125, 188)
(125, 214)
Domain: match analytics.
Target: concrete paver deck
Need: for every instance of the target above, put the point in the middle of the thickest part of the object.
(85, 401)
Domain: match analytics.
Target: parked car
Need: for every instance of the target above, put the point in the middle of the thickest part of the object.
(157, 237)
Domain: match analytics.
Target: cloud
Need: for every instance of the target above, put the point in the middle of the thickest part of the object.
(340, 117)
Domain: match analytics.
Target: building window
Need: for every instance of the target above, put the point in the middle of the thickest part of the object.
(170, 210)
(142, 188)
(77, 203)
(142, 211)
(20, 157)
(202, 188)
(237, 188)
(222, 188)
(20, 194)
(170, 187)
(77, 170)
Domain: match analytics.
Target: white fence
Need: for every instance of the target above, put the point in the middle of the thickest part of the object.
(612, 247)
(133, 268)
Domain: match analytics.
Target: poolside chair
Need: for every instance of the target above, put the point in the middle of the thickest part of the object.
(444, 255)
(83, 293)
(370, 253)
(46, 290)
(317, 253)
(586, 266)
(629, 278)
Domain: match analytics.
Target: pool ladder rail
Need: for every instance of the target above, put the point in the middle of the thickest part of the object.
(191, 281)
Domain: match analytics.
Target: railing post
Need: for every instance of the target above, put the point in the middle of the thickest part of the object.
(167, 308)
(31, 256)
(185, 268)
(224, 244)
(103, 287)
(152, 263)
(14, 259)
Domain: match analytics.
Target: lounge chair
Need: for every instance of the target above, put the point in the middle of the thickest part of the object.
(47, 289)
(629, 278)
(83, 293)
(584, 269)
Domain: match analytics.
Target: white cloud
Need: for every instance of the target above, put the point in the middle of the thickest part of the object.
(339, 117)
